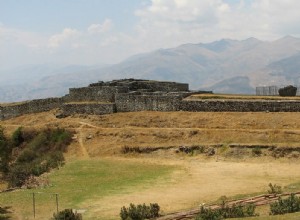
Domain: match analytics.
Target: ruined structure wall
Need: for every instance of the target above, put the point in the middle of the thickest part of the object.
(159, 86)
(100, 94)
(240, 106)
(33, 106)
(133, 102)
(90, 108)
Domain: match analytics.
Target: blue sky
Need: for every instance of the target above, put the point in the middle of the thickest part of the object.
(50, 16)
(92, 32)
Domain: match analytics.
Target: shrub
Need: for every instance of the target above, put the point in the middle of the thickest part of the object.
(41, 153)
(209, 214)
(256, 151)
(288, 91)
(288, 205)
(5, 213)
(274, 189)
(17, 137)
(67, 214)
(18, 175)
(39, 143)
(60, 138)
(5, 152)
(26, 156)
(236, 211)
(140, 212)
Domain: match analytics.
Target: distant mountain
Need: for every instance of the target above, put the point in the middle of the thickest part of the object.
(39, 81)
(288, 67)
(227, 66)
(238, 84)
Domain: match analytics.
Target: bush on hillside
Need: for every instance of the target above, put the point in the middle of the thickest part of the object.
(274, 189)
(5, 213)
(140, 212)
(67, 214)
(256, 151)
(236, 211)
(5, 152)
(39, 153)
(283, 206)
(17, 137)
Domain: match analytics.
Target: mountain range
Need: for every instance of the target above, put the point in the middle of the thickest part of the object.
(224, 66)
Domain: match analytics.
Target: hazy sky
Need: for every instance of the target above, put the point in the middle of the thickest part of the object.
(107, 31)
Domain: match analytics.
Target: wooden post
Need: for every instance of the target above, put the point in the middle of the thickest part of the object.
(56, 198)
(33, 203)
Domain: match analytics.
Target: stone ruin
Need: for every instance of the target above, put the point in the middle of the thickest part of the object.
(130, 95)
(126, 95)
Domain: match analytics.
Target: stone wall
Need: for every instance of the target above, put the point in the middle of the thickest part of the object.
(151, 85)
(131, 102)
(88, 108)
(158, 86)
(33, 106)
(99, 94)
(239, 106)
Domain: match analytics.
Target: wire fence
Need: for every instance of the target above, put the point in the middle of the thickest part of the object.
(272, 90)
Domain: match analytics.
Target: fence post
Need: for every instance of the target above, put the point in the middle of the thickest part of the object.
(33, 203)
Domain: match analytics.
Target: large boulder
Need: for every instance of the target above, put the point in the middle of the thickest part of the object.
(288, 91)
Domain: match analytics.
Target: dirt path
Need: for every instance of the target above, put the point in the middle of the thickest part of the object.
(81, 138)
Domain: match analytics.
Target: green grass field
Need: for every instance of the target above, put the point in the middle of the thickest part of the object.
(80, 181)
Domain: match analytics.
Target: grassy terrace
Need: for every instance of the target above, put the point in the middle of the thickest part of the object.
(241, 97)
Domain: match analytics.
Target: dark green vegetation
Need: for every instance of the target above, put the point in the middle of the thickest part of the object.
(283, 206)
(288, 91)
(31, 153)
(67, 214)
(236, 211)
(5, 213)
(140, 212)
(274, 189)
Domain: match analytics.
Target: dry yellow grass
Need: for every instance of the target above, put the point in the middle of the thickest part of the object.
(109, 133)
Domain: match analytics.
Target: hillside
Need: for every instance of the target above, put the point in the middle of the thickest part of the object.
(227, 66)
(154, 169)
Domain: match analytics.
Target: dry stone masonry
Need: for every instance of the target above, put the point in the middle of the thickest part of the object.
(129, 95)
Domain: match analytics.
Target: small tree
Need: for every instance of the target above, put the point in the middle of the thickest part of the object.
(288, 91)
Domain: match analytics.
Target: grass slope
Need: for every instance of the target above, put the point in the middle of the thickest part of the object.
(80, 181)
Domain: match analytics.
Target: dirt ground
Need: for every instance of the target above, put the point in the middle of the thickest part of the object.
(198, 179)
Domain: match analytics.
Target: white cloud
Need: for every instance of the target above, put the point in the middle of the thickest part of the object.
(100, 28)
(58, 39)
(160, 24)
(167, 23)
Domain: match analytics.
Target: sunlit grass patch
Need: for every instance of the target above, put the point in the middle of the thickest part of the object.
(83, 180)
